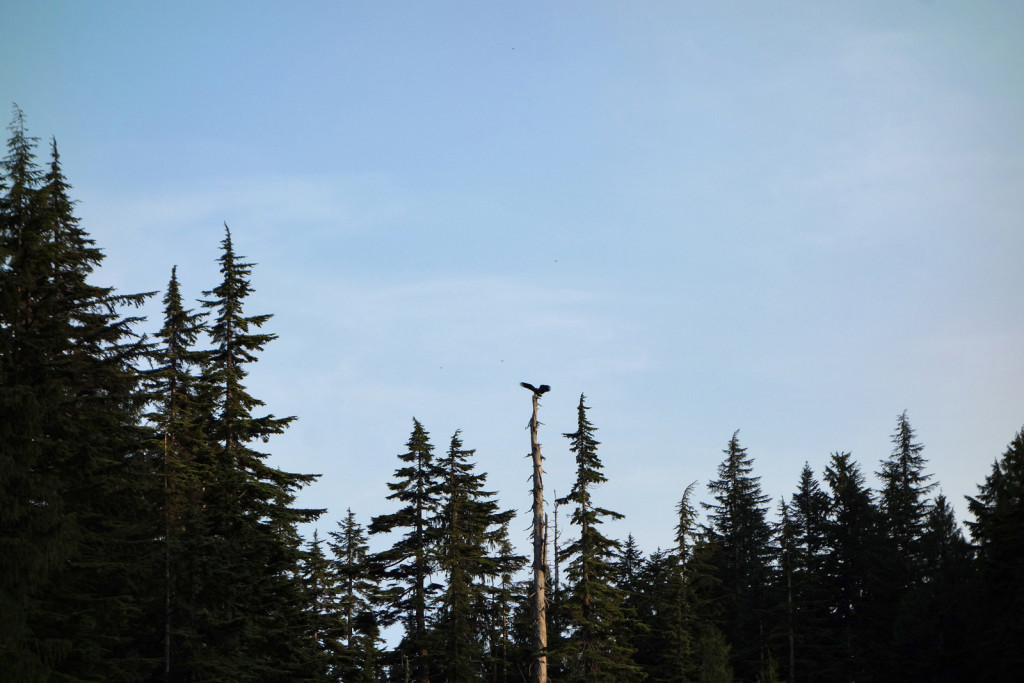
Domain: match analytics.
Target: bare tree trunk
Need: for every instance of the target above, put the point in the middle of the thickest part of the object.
(540, 609)
(789, 601)
(556, 584)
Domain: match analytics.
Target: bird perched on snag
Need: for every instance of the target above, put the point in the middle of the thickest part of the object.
(543, 388)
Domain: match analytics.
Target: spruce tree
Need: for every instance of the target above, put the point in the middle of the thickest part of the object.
(408, 564)
(356, 644)
(321, 592)
(662, 597)
(504, 593)
(628, 565)
(936, 623)
(998, 534)
(252, 601)
(73, 467)
(802, 578)
(903, 506)
(852, 543)
(180, 412)
(596, 649)
(37, 536)
(903, 499)
(470, 527)
(738, 528)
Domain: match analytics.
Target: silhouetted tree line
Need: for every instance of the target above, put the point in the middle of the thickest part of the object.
(144, 537)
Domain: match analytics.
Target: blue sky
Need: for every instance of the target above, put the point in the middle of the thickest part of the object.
(796, 219)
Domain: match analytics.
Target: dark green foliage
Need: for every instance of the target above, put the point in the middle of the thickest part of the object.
(713, 656)
(181, 409)
(143, 537)
(935, 625)
(741, 538)
(662, 595)
(472, 553)
(903, 500)
(505, 655)
(321, 593)
(998, 533)
(852, 543)
(408, 564)
(37, 538)
(903, 506)
(354, 637)
(802, 580)
(73, 473)
(592, 603)
(251, 606)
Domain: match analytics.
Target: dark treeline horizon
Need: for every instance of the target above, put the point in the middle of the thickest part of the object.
(145, 535)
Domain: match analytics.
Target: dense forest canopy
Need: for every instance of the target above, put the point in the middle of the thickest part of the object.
(146, 534)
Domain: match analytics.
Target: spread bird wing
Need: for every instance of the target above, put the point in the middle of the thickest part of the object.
(527, 385)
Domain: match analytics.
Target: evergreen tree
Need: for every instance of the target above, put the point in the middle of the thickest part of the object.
(356, 643)
(596, 650)
(936, 624)
(903, 506)
(253, 604)
(321, 589)
(851, 540)
(408, 564)
(664, 601)
(904, 492)
(36, 539)
(470, 526)
(803, 545)
(503, 594)
(628, 566)
(713, 656)
(738, 528)
(180, 412)
(998, 534)
(73, 470)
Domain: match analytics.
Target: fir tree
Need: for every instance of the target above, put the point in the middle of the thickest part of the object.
(36, 538)
(321, 593)
(998, 534)
(741, 535)
(595, 650)
(627, 568)
(180, 412)
(803, 545)
(903, 506)
(408, 564)
(904, 494)
(73, 471)
(713, 656)
(503, 593)
(253, 604)
(357, 641)
(661, 596)
(73, 463)
(470, 526)
(936, 622)
(851, 540)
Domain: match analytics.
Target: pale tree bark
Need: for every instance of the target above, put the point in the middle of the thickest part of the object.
(540, 608)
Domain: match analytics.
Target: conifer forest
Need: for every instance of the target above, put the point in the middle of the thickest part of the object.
(145, 534)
